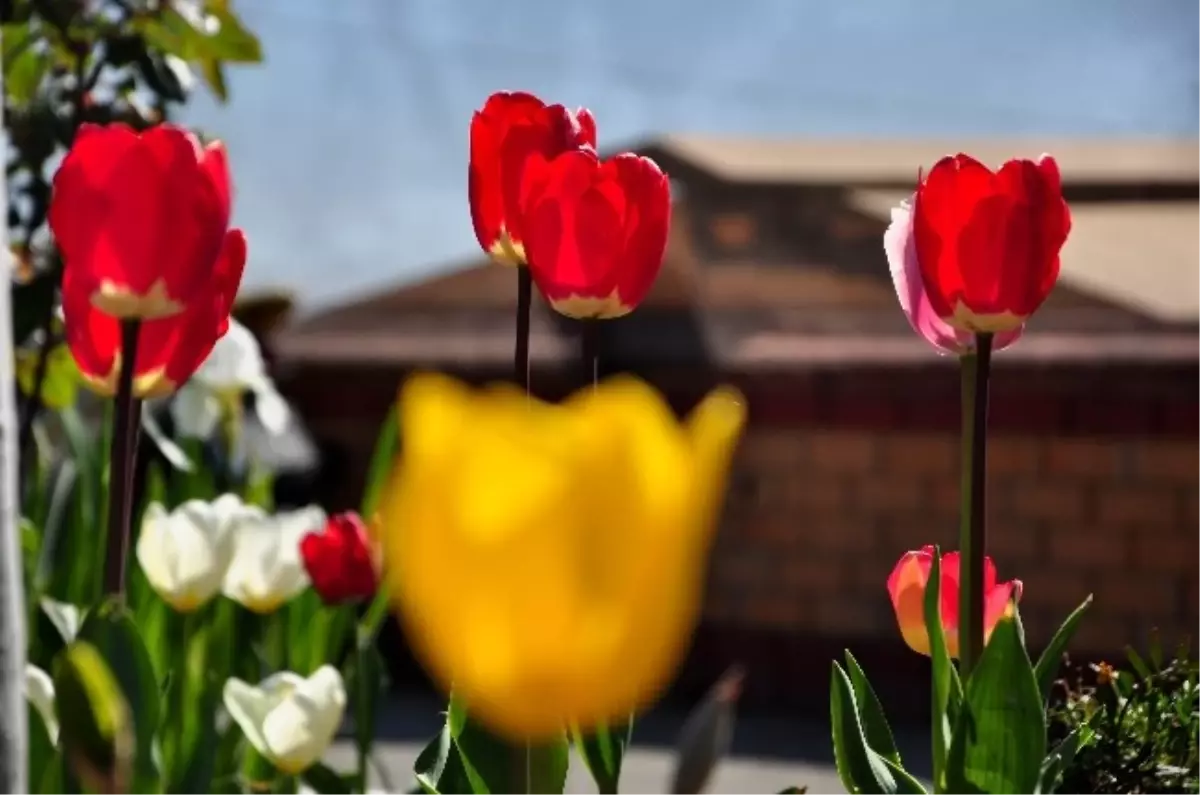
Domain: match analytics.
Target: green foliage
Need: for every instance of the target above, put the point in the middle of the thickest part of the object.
(1132, 729)
(989, 731)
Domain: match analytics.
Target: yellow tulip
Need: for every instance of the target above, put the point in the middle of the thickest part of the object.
(547, 561)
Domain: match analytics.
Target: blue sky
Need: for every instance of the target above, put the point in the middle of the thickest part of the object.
(349, 144)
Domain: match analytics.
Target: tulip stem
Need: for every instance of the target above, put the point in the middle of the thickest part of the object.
(589, 339)
(120, 464)
(524, 308)
(976, 369)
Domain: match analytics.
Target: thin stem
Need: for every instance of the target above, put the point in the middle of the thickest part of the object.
(119, 465)
(524, 308)
(33, 401)
(589, 339)
(973, 531)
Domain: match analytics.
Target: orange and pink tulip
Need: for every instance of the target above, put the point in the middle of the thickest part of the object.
(906, 586)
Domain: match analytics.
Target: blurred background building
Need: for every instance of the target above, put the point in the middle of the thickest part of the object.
(789, 129)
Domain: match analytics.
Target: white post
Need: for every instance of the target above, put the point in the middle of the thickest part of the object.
(13, 731)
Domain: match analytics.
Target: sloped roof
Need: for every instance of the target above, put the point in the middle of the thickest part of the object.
(891, 161)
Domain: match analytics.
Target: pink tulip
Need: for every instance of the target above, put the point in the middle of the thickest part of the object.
(906, 586)
(900, 246)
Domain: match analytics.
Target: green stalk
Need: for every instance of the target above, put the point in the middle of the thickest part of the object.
(120, 465)
(976, 369)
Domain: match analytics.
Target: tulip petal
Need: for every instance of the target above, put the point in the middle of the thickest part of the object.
(906, 586)
(301, 727)
(195, 411)
(249, 707)
(900, 246)
(39, 689)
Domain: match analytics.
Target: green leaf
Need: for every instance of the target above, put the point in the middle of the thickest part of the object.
(42, 753)
(870, 712)
(859, 769)
(1061, 758)
(1000, 738)
(1047, 664)
(112, 631)
(170, 451)
(232, 42)
(947, 689)
(793, 791)
(603, 750)
(324, 780)
(496, 765)
(386, 444)
(439, 768)
(368, 684)
(95, 720)
(707, 734)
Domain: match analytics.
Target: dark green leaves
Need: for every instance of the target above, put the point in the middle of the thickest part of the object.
(861, 768)
(466, 758)
(603, 750)
(1000, 737)
(1047, 664)
(96, 727)
(707, 734)
(112, 632)
(947, 690)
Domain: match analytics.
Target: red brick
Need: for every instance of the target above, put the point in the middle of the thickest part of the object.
(1083, 458)
(1013, 455)
(834, 536)
(813, 578)
(770, 451)
(847, 616)
(1137, 507)
(1170, 461)
(822, 493)
(1055, 501)
(1099, 633)
(884, 494)
(920, 454)
(1050, 587)
(1166, 553)
(1013, 540)
(1139, 596)
(841, 452)
(1079, 549)
(945, 496)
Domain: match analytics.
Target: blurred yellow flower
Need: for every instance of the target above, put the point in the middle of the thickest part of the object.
(548, 561)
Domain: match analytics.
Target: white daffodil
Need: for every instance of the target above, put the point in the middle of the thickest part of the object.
(234, 367)
(39, 689)
(289, 719)
(186, 552)
(266, 570)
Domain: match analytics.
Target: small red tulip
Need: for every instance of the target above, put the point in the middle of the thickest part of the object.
(510, 127)
(906, 587)
(140, 218)
(595, 232)
(988, 244)
(340, 561)
(169, 348)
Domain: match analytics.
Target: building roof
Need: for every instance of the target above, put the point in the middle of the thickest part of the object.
(1129, 287)
(888, 161)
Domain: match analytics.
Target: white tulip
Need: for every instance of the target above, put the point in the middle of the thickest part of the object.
(266, 570)
(289, 719)
(234, 367)
(185, 553)
(39, 689)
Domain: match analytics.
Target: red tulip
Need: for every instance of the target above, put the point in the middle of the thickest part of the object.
(340, 561)
(987, 243)
(595, 232)
(169, 348)
(510, 127)
(140, 218)
(906, 586)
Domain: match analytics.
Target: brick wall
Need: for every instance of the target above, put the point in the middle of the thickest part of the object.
(817, 518)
